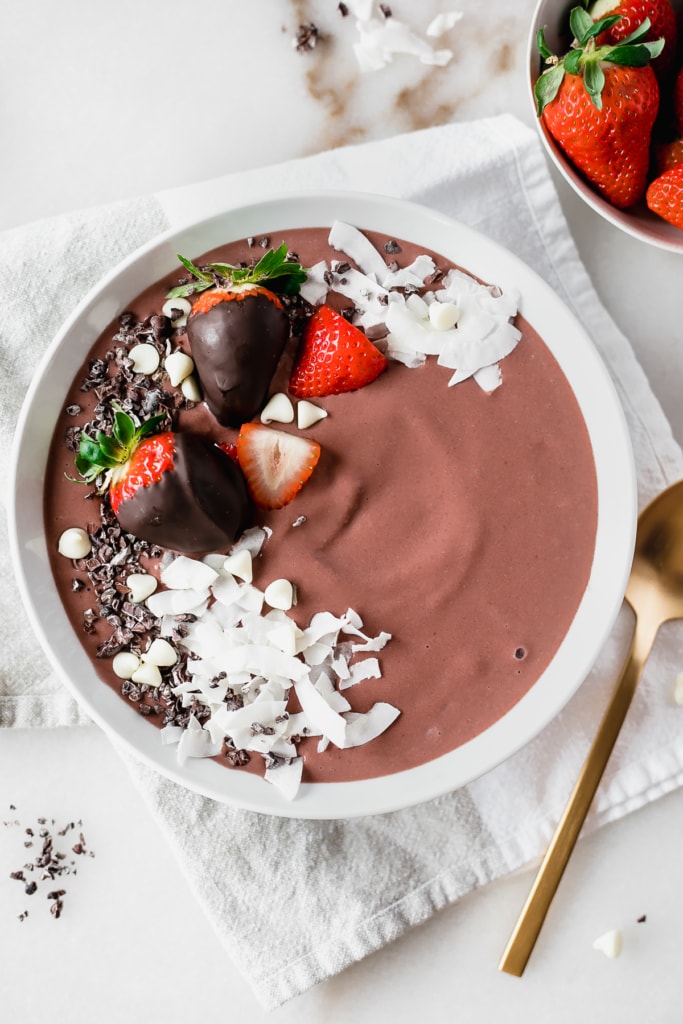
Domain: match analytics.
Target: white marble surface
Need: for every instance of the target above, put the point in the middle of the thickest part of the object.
(99, 102)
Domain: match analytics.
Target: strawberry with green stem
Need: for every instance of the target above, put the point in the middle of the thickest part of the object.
(599, 104)
(178, 490)
(238, 329)
(632, 14)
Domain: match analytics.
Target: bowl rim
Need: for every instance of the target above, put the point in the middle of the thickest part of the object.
(581, 364)
(640, 223)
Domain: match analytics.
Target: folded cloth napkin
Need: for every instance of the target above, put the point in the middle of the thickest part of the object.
(285, 938)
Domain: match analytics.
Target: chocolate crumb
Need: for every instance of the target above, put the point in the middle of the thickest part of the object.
(30, 888)
(642, 919)
(386, 10)
(392, 246)
(307, 38)
(520, 653)
(343, 10)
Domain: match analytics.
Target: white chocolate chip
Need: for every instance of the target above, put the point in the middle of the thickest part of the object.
(610, 944)
(145, 358)
(74, 543)
(190, 389)
(125, 664)
(240, 565)
(278, 409)
(173, 304)
(178, 366)
(161, 653)
(443, 315)
(307, 414)
(141, 586)
(280, 594)
(147, 674)
(678, 689)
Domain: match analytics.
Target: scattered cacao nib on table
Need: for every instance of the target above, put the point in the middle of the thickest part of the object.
(52, 856)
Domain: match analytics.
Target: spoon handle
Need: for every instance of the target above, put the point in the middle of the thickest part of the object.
(532, 916)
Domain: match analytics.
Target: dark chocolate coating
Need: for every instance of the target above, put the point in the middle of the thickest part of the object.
(236, 347)
(200, 505)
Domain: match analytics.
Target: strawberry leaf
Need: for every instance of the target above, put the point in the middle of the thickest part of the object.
(572, 62)
(542, 46)
(639, 32)
(581, 24)
(594, 81)
(274, 268)
(547, 87)
(602, 26)
(635, 56)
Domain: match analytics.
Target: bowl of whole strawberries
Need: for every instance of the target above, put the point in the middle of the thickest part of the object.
(606, 80)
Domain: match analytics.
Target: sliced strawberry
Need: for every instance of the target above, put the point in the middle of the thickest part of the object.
(276, 464)
(334, 357)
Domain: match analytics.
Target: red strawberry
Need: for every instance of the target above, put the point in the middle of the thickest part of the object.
(238, 330)
(677, 101)
(599, 103)
(276, 464)
(334, 357)
(667, 155)
(177, 490)
(665, 196)
(632, 13)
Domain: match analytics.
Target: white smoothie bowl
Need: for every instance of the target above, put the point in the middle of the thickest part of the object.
(616, 487)
(639, 222)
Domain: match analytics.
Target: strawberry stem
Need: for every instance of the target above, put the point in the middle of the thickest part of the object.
(586, 56)
(275, 269)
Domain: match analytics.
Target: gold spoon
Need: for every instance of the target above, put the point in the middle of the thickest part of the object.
(655, 593)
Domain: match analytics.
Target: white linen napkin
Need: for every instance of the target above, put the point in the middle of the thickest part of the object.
(245, 867)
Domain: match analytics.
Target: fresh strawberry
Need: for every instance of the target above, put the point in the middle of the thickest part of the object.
(667, 155)
(275, 464)
(677, 101)
(238, 330)
(174, 489)
(665, 196)
(334, 357)
(632, 14)
(599, 103)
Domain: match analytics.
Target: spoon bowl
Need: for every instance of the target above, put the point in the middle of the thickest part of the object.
(655, 587)
(655, 593)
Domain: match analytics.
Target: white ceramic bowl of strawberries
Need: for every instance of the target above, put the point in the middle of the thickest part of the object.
(660, 142)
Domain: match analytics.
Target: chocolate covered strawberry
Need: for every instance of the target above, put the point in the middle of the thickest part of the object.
(599, 103)
(334, 356)
(238, 329)
(632, 14)
(174, 489)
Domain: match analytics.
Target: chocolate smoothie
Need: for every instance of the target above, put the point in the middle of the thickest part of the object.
(461, 522)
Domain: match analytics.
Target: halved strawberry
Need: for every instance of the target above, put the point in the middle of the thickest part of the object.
(275, 464)
(334, 357)
(174, 489)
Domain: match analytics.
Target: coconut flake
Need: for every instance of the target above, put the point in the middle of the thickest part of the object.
(314, 289)
(286, 777)
(443, 22)
(366, 669)
(362, 729)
